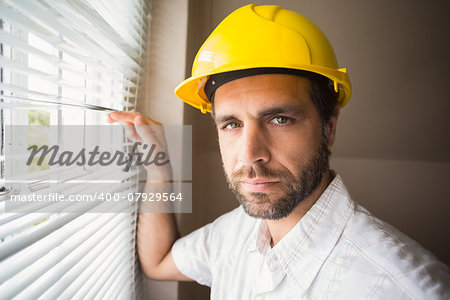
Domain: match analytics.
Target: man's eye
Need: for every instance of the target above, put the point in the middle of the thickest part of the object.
(280, 120)
(232, 125)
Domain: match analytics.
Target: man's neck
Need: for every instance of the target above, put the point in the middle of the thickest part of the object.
(279, 228)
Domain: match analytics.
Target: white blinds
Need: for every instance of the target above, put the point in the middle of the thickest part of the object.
(86, 55)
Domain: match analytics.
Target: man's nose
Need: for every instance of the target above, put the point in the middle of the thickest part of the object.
(254, 146)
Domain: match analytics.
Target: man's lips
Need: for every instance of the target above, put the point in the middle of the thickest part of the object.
(259, 184)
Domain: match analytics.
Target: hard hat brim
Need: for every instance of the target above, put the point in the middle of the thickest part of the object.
(192, 91)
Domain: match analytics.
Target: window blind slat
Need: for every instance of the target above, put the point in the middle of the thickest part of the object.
(84, 282)
(137, 12)
(48, 237)
(10, 247)
(10, 65)
(114, 282)
(59, 172)
(80, 270)
(20, 102)
(99, 23)
(21, 94)
(27, 276)
(69, 174)
(117, 284)
(55, 40)
(91, 288)
(12, 41)
(121, 291)
(114, 270)
(20, 67)
(20, 21)
(46, 17)
(107, 38)
(9, 217)
(19, 224)
(23, 69)
(13, 223)
(91, 246)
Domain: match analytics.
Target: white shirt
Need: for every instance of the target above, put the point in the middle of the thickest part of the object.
(338, 250)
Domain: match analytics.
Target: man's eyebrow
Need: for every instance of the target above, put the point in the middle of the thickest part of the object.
(290, 109)
(225, 118)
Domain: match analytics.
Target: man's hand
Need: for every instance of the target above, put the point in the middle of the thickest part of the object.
(135, 124)
(148, 132)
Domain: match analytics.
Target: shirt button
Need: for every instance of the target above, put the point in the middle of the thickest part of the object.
(275, 258)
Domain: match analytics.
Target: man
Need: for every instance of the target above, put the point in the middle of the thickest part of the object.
(271, 81)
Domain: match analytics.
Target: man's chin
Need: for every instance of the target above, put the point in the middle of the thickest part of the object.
(264, 213)
(262, 206)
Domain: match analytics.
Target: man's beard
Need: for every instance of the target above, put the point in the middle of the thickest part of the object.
(261, 205)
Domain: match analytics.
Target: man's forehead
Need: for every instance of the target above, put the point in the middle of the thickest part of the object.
(261, 93)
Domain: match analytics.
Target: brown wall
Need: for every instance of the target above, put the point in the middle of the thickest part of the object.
(392, 147)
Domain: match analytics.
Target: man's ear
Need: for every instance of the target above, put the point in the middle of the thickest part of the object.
(331, 127)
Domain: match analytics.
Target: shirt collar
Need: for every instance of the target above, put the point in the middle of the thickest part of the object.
(305, 248)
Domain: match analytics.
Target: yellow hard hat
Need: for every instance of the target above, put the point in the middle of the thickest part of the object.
(266, 36)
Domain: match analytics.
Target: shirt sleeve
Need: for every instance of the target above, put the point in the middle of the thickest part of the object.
(191, 255)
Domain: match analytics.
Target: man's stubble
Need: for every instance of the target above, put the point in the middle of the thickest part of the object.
(264, 205)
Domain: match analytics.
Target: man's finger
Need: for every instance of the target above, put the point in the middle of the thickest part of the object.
(143, 120)
(131, 117)
(123, 116)
(132, 134)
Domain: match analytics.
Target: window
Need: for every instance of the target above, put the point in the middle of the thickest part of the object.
(66, 63)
